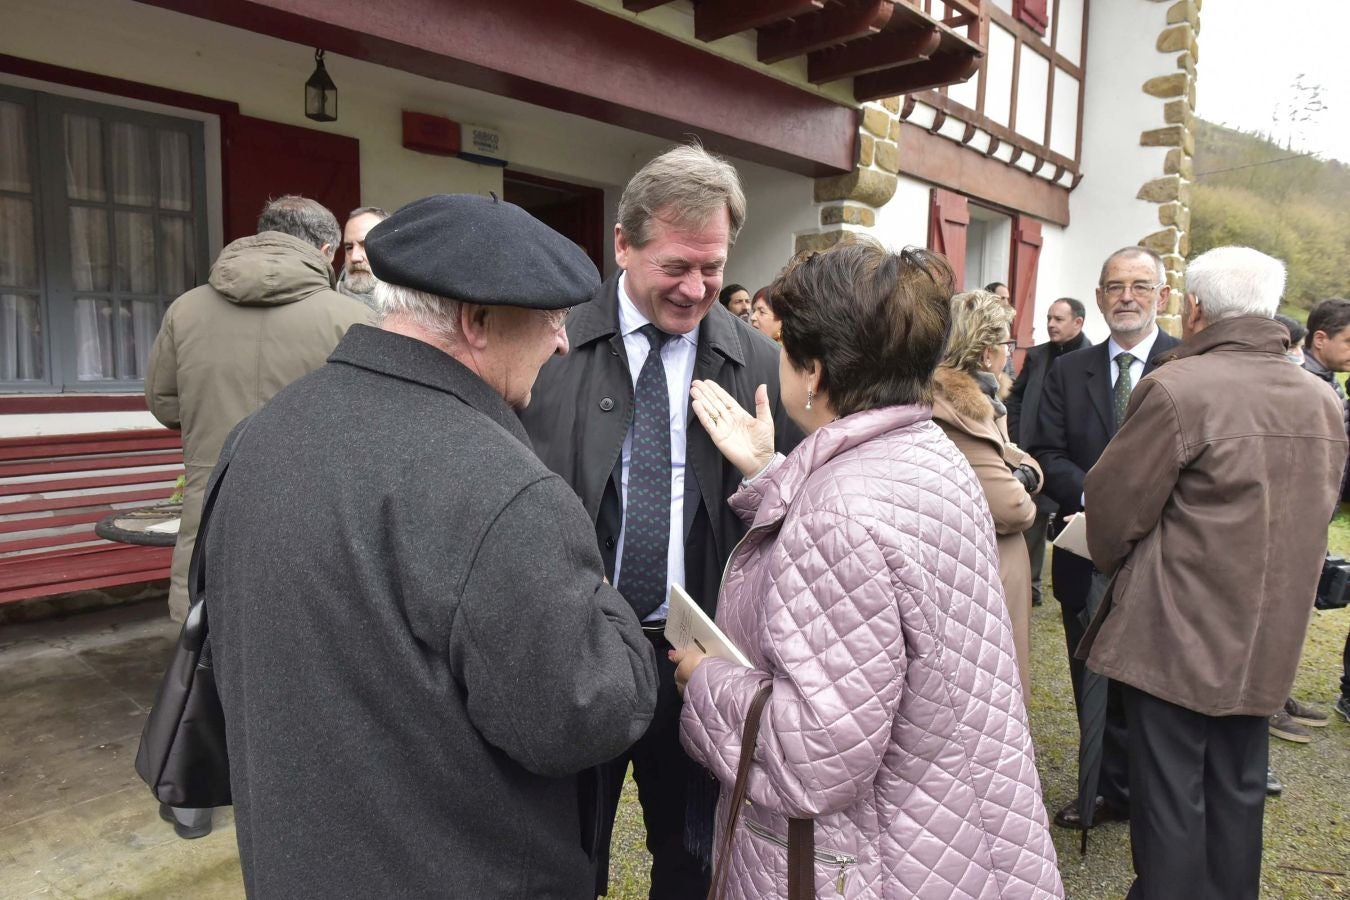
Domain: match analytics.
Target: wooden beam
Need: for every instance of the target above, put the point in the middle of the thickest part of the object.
(860, 19)
(945, 163)
(935, 72)
(883, 51)
(582, 60)
(641, 6)
(714, 19)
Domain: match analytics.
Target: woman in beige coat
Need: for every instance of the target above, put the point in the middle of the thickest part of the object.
(967, 405)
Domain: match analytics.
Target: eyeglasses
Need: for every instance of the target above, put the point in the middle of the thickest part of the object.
(1010, 345)
(1115, 290)
(556, 318)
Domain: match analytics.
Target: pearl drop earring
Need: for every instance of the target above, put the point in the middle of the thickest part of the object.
(810, 394)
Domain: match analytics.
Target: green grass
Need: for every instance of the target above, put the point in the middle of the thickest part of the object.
(1307, 833)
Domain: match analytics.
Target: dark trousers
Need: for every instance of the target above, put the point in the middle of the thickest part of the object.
(1198, 784)
(1345, 668)
(1114, 783)
(663, 773)
(1035, 538)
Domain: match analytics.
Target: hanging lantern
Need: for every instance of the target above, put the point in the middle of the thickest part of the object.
(320, 93)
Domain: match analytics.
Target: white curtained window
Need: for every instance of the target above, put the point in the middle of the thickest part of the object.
(117, 194)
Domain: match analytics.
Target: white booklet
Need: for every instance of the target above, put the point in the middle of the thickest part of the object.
(687, 625)
(1074, 536)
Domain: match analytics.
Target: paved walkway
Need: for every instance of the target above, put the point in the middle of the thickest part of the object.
(75, 821)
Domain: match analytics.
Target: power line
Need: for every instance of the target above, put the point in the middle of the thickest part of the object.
(1254, 165)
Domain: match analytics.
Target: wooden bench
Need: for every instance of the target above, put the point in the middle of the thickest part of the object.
(54, 488)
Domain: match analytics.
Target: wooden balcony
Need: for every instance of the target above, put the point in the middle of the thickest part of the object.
(888, 47)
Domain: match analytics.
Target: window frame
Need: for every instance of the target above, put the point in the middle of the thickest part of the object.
(52, 226)
(27, 101)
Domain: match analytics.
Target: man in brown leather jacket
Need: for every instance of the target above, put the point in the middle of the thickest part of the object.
(1209, 508)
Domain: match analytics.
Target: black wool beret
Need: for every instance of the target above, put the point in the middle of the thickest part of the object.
(480, 250)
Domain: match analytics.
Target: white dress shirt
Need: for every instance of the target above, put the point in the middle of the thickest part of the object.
(678, 357)
(1140, 351)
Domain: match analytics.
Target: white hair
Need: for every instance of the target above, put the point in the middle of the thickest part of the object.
(438, 316)
(1235, 281)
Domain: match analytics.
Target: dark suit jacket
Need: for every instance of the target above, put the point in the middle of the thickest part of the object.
(1024, 402)
(1073, 426)
(583, 406)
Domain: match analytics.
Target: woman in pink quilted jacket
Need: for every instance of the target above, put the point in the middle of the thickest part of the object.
(867, 593)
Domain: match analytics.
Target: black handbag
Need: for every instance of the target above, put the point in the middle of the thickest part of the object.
(1333, 588)
(182, 755)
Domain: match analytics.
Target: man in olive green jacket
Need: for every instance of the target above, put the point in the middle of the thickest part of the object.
(267, 315)
(1209, 508)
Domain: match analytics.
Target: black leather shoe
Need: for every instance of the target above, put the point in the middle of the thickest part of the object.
(186, 832)
(1104, 812)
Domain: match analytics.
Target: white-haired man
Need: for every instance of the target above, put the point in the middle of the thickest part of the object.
(1209, 507)
(413, 639)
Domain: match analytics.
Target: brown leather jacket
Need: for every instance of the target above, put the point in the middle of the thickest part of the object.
(1210, 507)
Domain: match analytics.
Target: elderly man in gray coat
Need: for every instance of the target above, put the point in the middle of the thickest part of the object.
(416, 649)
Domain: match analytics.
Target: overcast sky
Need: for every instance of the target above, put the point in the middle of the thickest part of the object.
(1252, 52)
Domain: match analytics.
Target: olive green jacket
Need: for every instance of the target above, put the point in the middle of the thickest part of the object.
(268, 315)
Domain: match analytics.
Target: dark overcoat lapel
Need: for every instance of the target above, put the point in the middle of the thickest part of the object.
(1098, 372)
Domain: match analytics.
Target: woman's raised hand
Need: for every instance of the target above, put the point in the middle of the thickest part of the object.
(745, 440)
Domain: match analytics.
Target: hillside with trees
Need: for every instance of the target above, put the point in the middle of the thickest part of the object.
(1250, 191)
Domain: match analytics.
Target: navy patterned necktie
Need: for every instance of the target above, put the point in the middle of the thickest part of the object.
(1124, 384)
(646, 537)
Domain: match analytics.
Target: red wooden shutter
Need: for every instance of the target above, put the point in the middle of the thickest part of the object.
(1026, 255)
(263, 160)
(948, 216)
(1033, 13)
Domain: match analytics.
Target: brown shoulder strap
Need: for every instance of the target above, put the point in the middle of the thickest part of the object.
(801, 859)
(801, 832)
(749, 735)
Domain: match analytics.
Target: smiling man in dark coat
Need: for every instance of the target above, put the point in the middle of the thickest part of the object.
(614, 420)
(416, 649)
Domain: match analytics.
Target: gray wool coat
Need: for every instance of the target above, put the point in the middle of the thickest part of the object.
(415, 647)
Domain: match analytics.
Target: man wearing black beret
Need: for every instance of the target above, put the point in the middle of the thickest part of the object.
(613, 418)
(416, 650)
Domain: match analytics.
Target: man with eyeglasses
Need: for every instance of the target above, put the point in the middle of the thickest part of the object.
(1084, 402)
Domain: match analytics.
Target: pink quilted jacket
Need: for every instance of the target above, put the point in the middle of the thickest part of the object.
(867, 589)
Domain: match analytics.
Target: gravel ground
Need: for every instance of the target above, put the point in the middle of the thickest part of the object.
(1307, 834)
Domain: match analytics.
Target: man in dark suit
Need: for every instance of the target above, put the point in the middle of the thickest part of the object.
(1086, 393)
(613, 418)
(1064, 324)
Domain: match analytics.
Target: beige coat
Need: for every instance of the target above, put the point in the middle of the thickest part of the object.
(1210, 507)
(966, 414)
(267, 315)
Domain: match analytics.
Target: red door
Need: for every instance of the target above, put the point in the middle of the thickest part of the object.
(1026, 256)
(263, 160)
(948, 218)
